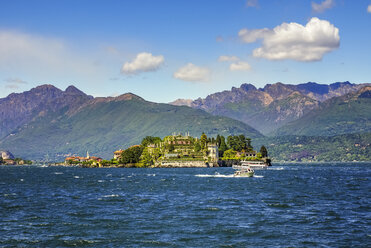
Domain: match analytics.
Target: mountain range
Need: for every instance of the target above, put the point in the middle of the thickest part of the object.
(49, 121)
(269, 108)
(300, 122)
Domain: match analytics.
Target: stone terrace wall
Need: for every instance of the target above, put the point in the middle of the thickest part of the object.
(184, 164)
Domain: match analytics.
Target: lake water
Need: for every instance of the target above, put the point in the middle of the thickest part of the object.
(298, 205)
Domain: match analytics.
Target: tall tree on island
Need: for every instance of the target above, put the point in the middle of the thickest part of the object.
(203, 141)
(263, 152)
(222, 147)
(197, 147)
(218, 140)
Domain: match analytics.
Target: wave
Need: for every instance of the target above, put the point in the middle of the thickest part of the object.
(206, 175)
(113, 195)
(276, 168)
(224, 176)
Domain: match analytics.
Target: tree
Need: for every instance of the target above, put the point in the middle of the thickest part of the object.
(239, 143)
(197, 147)
(203, 141)
(249, 146)
(131, 155)
(171, 147)
(222, 147)
(231, 142)
(146, 158)
(229, 154)
(218, 140)
(150, 140)
(263, 152)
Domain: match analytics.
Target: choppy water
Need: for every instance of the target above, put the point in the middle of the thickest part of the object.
(315, 205)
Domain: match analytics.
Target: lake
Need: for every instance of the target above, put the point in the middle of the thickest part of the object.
(292, 205)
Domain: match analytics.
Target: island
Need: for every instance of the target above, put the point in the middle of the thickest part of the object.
(7, 158)
(179, 150)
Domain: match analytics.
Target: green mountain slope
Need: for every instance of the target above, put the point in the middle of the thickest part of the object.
(346, 147)
(105, 124)
(350, 113)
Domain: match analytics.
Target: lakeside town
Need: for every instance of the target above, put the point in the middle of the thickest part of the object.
(178, 150)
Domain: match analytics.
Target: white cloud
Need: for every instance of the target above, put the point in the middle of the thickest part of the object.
(41, 57)
(143, 62)
(19, 49)
(239, 66)
(369, 9)
(295, 41)
(15, 81)
(321, 7)
(225, 58)
(252, 3)
(192, 73)
(250, 36)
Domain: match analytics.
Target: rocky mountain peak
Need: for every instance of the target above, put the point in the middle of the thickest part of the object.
(278, 90)
(183, 102)
(312, 87)
(72, 90)
(247, 87)
(127, 97)
(337, 85)
(364, 92)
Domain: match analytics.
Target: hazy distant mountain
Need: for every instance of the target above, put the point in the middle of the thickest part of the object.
(271, 107)
(20, 108)
(350, 113)
(102, 125)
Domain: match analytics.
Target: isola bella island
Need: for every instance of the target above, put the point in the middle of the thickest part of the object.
(179, 150)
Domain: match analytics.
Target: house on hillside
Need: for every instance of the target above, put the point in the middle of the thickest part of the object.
(117, 154)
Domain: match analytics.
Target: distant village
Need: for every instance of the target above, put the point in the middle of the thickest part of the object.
(178, 150)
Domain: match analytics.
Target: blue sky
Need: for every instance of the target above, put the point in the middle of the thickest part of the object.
(164, 50)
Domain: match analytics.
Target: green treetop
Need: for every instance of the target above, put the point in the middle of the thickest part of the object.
(150, 140)
(203, 141)
(131, 155)
(222, 147)
(263, 152)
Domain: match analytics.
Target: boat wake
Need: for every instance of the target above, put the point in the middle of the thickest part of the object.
(276, 168)
(224, 176)
(215, 175)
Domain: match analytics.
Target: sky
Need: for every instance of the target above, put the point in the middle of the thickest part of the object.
(168, 49)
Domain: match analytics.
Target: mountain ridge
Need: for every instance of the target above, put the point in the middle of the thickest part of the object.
(268, 108)
(18, 109)
(102, 125)
(350, 113)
